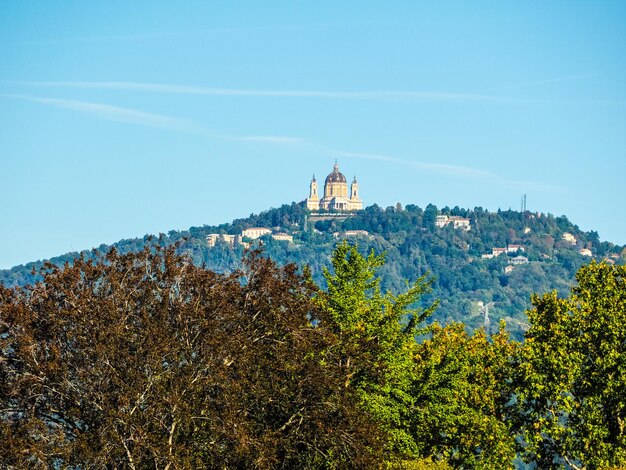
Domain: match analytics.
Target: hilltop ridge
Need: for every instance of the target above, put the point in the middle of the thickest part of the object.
(485, 265)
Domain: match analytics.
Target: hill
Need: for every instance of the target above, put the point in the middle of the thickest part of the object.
(492, 268)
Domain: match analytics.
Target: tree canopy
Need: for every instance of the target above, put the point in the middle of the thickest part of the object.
(377, 334)
(144, 360)
(572, 373)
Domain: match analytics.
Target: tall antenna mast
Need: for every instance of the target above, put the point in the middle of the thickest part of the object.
(523, 203)
(487, 320)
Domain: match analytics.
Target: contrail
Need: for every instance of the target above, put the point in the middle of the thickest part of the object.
(455, 170)
(209, 91)
(113, 113)
(541, 82)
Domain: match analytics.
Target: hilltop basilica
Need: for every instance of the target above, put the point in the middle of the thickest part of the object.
(335, 194)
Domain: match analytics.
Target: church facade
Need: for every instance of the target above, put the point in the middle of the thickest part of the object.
(336, 196)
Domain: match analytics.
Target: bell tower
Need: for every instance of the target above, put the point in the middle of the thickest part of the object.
(355, 203)
(313, 191)
(313, 201)
(354, 189)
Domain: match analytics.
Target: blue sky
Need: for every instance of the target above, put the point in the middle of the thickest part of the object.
(121, 118)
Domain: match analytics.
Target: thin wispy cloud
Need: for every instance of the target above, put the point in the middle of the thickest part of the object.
(456, 170)
(134, 116)
(211, 31)
(532, 186)
(484, 96)
(113, 113)
(210, 91)
(269, 139)
(191, 33)
(541, 82)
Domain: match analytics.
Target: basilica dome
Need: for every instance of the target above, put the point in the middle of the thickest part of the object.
(336, 176)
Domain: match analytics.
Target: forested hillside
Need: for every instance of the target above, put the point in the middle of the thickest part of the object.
(144, 360)
(465, 283)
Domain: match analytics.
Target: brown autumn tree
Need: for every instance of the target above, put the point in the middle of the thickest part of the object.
(146, 361)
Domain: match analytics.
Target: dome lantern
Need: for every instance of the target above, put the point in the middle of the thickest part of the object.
(336, 176)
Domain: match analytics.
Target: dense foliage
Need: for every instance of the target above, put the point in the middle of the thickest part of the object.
(144, 360)
(377, 336)
(463, 282)
(571, 388)
(462, 392)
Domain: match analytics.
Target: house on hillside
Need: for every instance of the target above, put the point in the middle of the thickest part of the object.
(353, 234)
(356, 233)
(282, 237)
(456, 221)
(231, 240)
(497, 251)
(255, 232)
(251, 233)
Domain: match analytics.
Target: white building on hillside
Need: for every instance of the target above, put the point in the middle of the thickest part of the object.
(283, 237)
(456, 221)
(255, 232)
(231, 240)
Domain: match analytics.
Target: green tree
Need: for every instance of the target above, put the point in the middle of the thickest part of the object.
(377, 340)
(462, 393)
(430, 214)
(571, 389)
